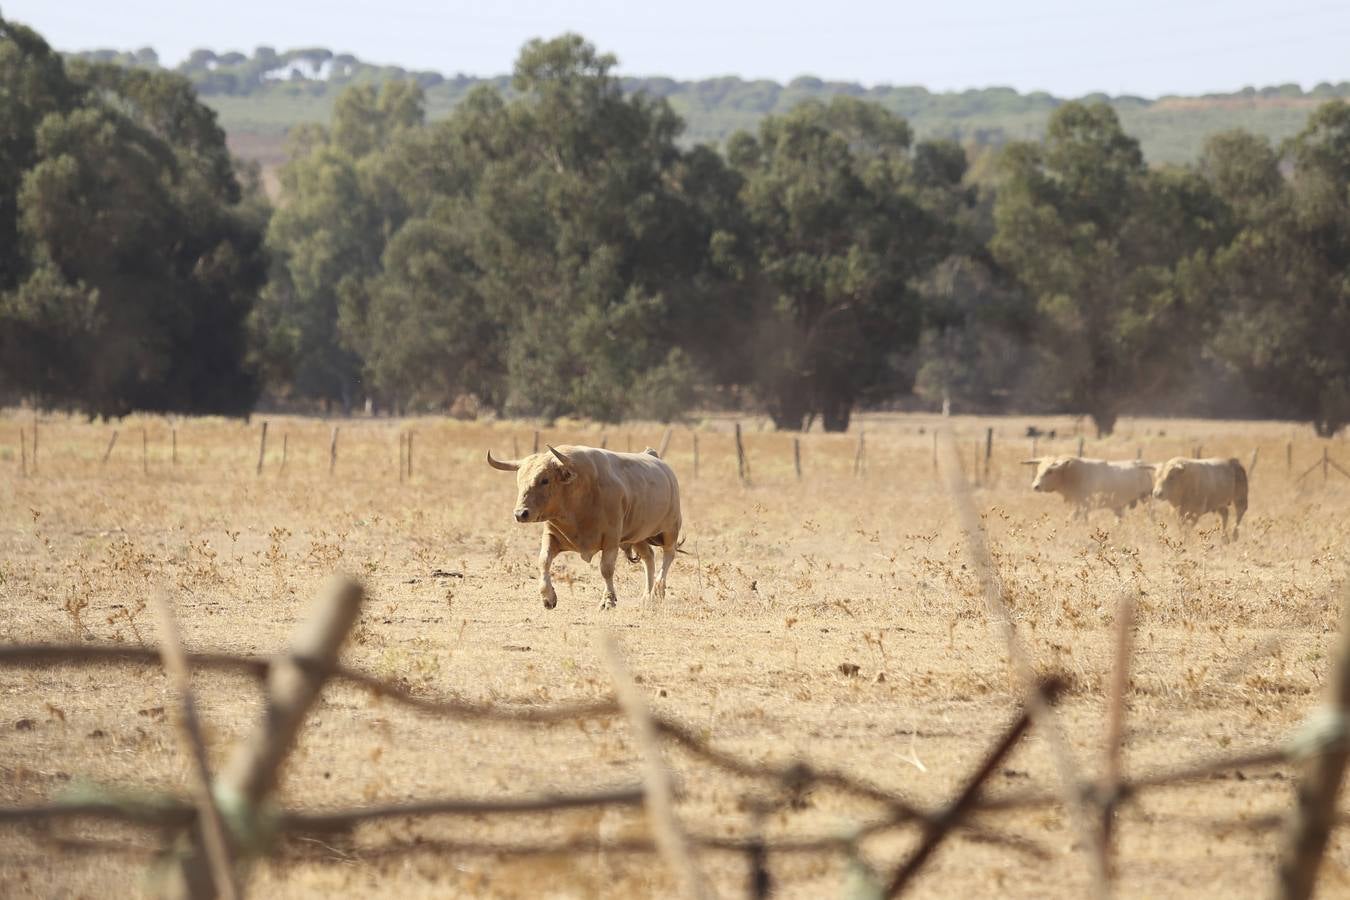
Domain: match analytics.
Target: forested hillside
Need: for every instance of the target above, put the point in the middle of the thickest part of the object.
(260, 96)
(561, 246)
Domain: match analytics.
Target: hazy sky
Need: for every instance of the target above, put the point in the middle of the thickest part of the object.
(1068, 47)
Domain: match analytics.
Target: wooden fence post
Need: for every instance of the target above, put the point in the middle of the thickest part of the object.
(35, 442)
(402, 440)
(860, 455)
(145, 451)
(536, 443)
(1256, 456)
(285, 440)
(332, 451)
(107, 452)
(797, 456)
(1289, 458)
(665, 443)
(23, 453)
(1080, 446)
(742, 466)
(935, 462)
(1314, 813)
(988, 450)
(695, 454)
(262, 446)
(1034, 442)
(604, 441)
(411, 434)
(173, 437)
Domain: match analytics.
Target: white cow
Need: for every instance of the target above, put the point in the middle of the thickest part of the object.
(1093, 483)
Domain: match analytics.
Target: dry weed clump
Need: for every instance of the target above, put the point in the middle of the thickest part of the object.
(835, 618)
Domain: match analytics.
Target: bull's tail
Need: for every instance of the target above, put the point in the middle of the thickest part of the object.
(1239, 493)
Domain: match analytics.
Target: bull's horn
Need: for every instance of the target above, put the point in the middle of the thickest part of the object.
(506, 465)
(562, 459)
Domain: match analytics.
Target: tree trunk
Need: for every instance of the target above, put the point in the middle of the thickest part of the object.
(789, 409)
(1327, 427)
(836, 413)
(787, 420)
(1105, 421)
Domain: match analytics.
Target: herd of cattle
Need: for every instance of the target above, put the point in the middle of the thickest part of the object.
(1193, 486)
(600, 501)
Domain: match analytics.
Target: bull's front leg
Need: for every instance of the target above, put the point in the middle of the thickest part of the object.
(548, 549)
(609, 555)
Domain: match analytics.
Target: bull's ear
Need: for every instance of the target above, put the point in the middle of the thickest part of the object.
(506, 465)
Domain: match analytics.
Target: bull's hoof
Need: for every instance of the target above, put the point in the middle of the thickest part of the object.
(550, 602)
(608, 602)
(658, 592)
(550, 597)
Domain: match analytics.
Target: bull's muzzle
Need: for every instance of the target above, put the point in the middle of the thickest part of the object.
(522, 515)
(1036, 487)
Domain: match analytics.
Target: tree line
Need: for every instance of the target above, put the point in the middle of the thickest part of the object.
(265, 92)
(555, 250)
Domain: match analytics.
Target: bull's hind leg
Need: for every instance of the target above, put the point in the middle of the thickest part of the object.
(609, 555)
(1223, 518)
(548, 549)
(668, 551)
(644, 553)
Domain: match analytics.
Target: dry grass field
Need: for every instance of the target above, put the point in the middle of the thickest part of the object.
(785, 583)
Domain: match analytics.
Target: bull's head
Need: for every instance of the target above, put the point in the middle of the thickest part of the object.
(1050, 472)
(542, 480)
(1168, 480)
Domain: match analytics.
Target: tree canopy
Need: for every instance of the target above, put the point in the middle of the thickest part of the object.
(132, 255)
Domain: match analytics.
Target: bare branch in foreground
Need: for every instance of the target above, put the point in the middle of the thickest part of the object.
(982, 561)
(961, 804)
(1314, 813)
(660, 799)
(220, 867)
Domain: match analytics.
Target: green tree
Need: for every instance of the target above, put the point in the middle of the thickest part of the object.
(327, 240)
(584, 246)
(838, 229)
(1096, 239)
(137, 259)
(1281, 288)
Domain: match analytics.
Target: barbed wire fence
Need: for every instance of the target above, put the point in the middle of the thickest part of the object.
(229, 819)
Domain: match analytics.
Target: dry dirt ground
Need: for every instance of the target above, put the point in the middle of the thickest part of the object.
(785, 581)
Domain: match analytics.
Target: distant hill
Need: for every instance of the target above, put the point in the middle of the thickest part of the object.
(260, 96)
